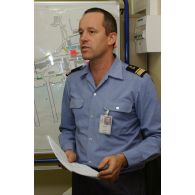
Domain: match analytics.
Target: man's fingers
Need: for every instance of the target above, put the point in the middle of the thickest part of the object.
(110, 167)
(109, 176)
(71, 156)
(103, 163)
(105, 172)
(114, 164)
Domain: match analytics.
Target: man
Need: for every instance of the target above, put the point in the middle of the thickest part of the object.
(108, 90)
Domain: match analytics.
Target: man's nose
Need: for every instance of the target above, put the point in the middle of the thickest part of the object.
(84, 36)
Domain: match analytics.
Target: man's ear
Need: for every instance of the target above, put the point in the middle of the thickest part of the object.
(112, 37)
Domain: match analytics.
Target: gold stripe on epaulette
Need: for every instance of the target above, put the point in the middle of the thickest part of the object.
(139, 71)
(132, 67)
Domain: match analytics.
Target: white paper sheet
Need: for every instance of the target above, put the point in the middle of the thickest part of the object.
(73, 167)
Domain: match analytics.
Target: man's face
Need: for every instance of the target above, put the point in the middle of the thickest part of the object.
(94, 42)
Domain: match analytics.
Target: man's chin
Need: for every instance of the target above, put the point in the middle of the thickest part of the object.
(86, 57)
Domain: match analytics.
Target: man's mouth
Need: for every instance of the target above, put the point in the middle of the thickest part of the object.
(84, 48)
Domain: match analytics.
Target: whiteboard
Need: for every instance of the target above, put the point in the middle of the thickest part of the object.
(56, 52)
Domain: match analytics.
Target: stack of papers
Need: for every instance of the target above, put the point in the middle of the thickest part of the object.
(73, 167)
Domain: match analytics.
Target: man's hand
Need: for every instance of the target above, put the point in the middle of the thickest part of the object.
(71, 155)
(115, 163)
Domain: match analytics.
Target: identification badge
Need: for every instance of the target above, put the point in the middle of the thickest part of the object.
(105, 125)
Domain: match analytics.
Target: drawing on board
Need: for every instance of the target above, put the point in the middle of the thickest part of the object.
(56, 52)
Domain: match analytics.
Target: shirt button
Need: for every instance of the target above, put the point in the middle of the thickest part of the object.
(89, 162)
(91, 116)
(94, 94)
(90, 138)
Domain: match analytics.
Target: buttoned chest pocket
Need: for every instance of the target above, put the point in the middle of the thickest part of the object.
(120, 110)
(76, 106)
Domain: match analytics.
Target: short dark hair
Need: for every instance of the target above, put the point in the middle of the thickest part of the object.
(109, 20)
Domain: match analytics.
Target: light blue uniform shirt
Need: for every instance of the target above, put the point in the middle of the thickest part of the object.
(133, 104)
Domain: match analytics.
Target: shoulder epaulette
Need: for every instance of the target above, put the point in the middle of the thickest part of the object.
(74, 70)
(137, 70)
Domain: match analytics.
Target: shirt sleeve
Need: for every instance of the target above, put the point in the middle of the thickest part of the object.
(67, 126)
(148, 111)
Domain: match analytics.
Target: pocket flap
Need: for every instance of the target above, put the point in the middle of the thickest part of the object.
(123, 106)
(76, 103)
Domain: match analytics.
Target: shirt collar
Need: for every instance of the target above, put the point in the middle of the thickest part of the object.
(85, 71)
(115, 70)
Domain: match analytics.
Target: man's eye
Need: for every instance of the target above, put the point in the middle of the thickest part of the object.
(92, 32)
(80, 32)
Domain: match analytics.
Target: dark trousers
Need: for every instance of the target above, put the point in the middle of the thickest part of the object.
(153, 177)
(132, 183)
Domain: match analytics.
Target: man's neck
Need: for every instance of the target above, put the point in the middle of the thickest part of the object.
(100, 67)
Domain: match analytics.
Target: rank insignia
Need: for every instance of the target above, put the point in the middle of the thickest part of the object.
(74, 70)
(137, 70)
